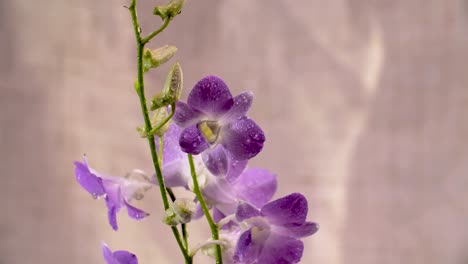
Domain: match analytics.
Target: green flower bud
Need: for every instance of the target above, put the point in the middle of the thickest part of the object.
(170, 10)
(174, 81)
(172, 89)
(154, 58)
(180, 212)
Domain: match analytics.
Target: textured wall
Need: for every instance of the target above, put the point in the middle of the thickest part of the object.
(364, 104)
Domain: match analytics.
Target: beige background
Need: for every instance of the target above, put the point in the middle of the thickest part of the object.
(364, 104)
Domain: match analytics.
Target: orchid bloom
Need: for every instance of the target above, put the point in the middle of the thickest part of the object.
(215, 123)
(273, 232)
(117, 191)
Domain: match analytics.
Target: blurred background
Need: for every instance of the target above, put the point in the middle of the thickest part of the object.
(364, 105)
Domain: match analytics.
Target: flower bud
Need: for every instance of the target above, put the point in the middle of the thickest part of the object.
(174, 81)
(172, 89)
(154, 58)
(180, 212)
(170, 10)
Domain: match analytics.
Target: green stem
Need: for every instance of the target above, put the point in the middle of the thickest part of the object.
(206, 211)
(185, 234)
(156, 32)
(173, 198)
(144, 109)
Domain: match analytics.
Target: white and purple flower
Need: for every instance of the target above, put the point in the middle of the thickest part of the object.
(215, 124)
(273, 232)
(117, 191)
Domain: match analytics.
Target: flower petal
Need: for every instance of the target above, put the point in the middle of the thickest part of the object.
(281, 249)
(243, 139)
(176, 173)
(192, 141)
(185, 115)
(247, 251)
(112, 215)
(216, 161)
(211, 96)
(287, 210)
(134, 212)
(175, 166)
(298, 230)
(171, 148)
(246, 211)
(198, 211)
(256, 186)
(131, 188)
(236, 167)
(88, 180)
(125, 257)
(217, 215)
(113, 202)
(118, 257)
(241, 106)
(107, 253)
(218, 192)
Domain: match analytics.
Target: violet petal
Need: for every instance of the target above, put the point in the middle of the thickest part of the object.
(134, 212)
(112, 216)
(246, 211)
(125, 257)
(192, 141)
(88, 180)
(217, 215)
(176, 174)
(198, 211)
(286, 210)
(242, 103)
(216, 161)
(108, 256)
(184, 115)
(281, 249)
(256, 186)
(236, 167)
(113, 202)
(219, 192)
(171, 148)
(243, 139)
(298, 230)
(211, 96)
(118, 257)
(247, 251)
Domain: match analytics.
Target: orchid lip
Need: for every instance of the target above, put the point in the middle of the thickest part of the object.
(209, 130)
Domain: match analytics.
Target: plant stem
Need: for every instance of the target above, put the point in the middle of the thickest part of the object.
(211, 223)
(173, 198)
(156, 32)
(144, 109)
(185, 234)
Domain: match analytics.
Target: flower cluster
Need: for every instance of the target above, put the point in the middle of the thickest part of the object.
(214, 127)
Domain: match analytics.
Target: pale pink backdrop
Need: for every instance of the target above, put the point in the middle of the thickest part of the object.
(364, 105)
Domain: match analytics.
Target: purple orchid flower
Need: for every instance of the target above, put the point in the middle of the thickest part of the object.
(215, 124)
(118, 191)
(274, 231)
(118, 257)
(253, 185)
(223, 194)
